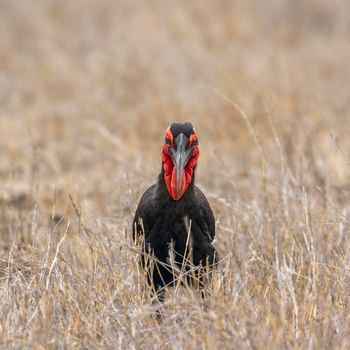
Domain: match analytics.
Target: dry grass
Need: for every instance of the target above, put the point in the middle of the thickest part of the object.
(87, 89)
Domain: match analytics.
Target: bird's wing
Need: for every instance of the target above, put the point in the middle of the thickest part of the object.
(204, 217)
(145, 214)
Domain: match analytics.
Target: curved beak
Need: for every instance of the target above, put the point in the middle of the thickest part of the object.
(180, 157)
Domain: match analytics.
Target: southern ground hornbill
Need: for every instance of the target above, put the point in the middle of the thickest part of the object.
(173, 220)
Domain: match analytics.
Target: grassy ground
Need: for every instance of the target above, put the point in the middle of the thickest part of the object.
(87, 89)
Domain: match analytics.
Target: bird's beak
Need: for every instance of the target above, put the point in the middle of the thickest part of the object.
(180, 157)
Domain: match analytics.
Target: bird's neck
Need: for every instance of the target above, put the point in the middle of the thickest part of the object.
(163, 192)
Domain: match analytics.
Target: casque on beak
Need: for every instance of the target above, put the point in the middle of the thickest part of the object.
(180, 156)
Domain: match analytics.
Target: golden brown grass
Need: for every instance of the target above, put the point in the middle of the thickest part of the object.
(87, 89)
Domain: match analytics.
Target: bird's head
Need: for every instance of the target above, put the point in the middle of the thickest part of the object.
(180, 153)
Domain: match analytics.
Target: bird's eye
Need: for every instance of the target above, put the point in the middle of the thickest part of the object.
(169, 139)
(193, 140)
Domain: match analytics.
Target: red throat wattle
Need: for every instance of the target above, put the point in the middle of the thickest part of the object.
(170, 172)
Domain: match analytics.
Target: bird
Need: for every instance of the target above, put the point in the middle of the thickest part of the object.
(173, 220)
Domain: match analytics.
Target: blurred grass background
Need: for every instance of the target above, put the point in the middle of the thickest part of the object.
(87, 89)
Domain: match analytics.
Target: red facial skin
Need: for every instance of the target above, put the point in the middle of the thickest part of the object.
(170, 169)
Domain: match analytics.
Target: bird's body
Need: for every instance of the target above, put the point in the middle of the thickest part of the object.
(174, 216)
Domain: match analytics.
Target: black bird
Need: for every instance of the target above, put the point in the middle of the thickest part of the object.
(174, 219)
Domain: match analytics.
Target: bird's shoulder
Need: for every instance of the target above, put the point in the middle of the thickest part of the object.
(145, 212)
(204, 213)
